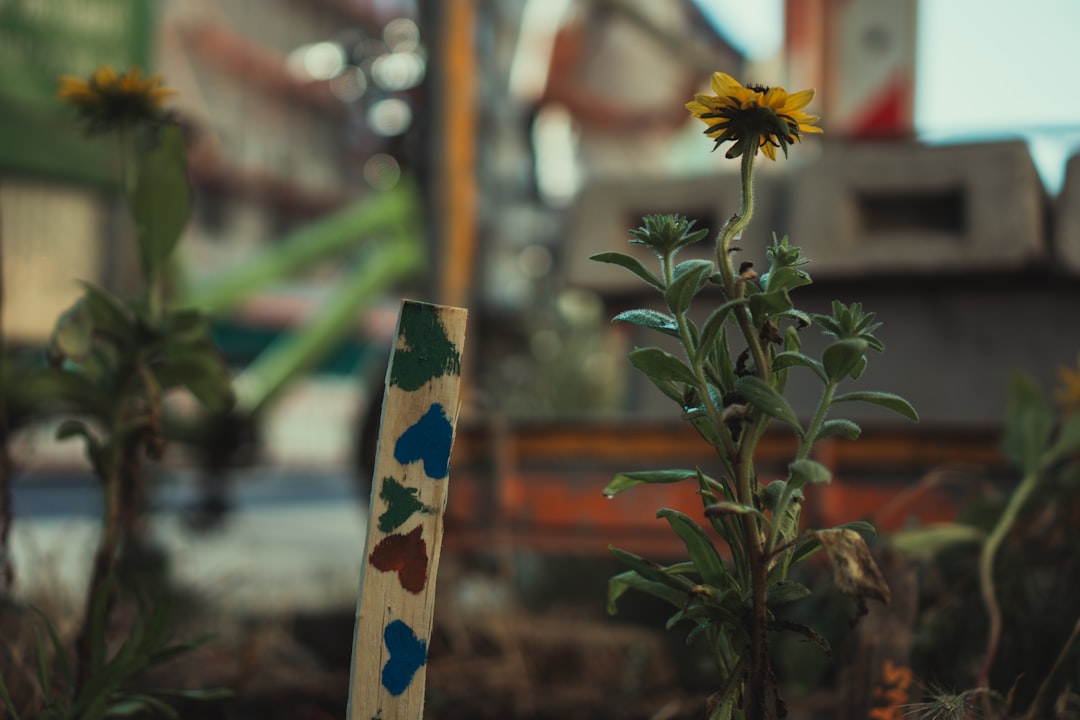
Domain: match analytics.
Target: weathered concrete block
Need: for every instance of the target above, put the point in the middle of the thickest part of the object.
(1067, 218)
(607, 211)
(885, 208)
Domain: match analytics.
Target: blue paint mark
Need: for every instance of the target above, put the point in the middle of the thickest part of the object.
(408, 654)
(429, 441)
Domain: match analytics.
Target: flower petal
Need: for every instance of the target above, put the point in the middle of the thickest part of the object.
(799, 100)
(724, 85)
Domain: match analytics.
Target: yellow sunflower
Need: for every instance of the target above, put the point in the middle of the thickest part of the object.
(753, 116)
(107, 100)
(1068, 392)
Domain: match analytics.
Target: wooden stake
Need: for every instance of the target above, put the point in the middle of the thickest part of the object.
(405, 516)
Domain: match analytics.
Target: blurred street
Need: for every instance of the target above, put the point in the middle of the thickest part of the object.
(292, 539)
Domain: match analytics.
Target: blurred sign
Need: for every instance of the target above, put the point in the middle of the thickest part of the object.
(860, 55)
(40, 40)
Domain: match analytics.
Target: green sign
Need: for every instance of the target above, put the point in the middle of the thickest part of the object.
(41, 40)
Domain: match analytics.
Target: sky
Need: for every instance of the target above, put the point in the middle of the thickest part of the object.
(985, 69)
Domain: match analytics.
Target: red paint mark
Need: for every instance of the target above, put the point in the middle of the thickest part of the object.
(407, 556)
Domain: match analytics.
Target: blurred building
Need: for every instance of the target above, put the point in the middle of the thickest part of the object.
(294, 111)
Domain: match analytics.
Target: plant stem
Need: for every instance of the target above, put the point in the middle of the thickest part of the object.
(698, 367)
(986, 568)
(804, 451)
(734, 287)
(744, 465)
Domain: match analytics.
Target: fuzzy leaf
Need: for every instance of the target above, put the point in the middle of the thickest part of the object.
(765, 399)
(842, 357)
(710, 331)
(838, 427)
(701, 549)
(626, 480)
(886, 400)
(767, 304)
(689, 276)
(787, 359)
(805, 472)
(652, 571)
(783, 593)
(661, 365)
(649, 319)
(783, 279)
(632, 264)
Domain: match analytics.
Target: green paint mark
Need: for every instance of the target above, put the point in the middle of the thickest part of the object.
(401, 504)
(428, 352)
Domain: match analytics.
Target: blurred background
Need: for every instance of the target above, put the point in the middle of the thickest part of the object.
(507, 141)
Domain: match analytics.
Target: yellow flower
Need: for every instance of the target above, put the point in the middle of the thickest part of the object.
(753, 116)
(107, 100)
(1068, 392)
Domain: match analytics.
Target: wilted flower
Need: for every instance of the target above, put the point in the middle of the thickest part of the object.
(108, 101)
(753, 116)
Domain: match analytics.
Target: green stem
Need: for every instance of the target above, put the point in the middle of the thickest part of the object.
(804, 451)
(986, 568)
(735, 287)
(744, 470)
(697, 365)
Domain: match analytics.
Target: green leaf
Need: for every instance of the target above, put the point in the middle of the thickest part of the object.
(161, 200)
(787, 359)
(710, 331)
(805, 472)
(728, 507)
(188, 325)
(140, 704)
(788, 591)
(107, 313)
(73, 335)
(931, 539)
(689, 276)
(1029, 423)
(886, 400)
(1067, 441)
(661, 365)
(838, 427)
(5, 698)
(701, 549)
(77, 428)
(626, 480)
(649, 319)
(842, 357)
(200, 368)
(630, 263)
(720, 360)
(807, 632)
(652, 571)
(765, 399)
(783, 279)
(767, 304)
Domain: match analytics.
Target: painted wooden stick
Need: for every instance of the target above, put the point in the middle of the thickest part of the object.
(405, 516)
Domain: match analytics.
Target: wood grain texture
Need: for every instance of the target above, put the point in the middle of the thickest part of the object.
(405, 525)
